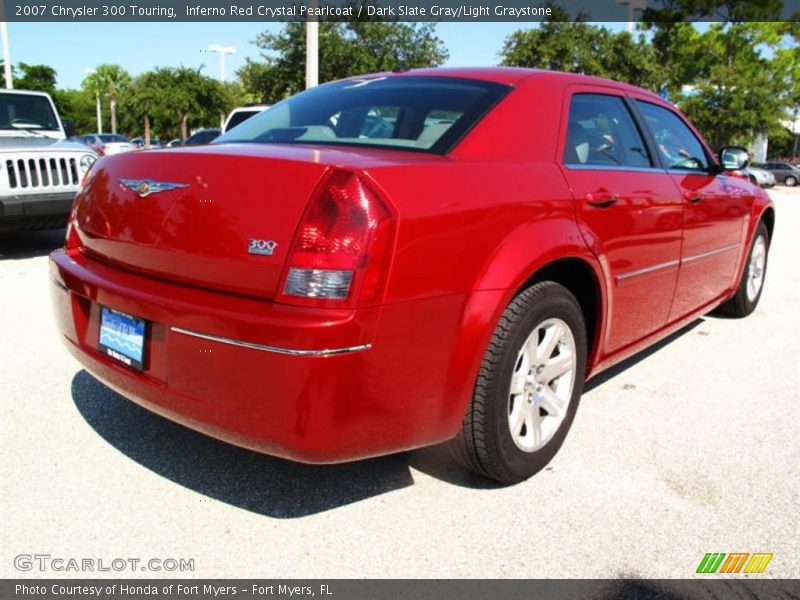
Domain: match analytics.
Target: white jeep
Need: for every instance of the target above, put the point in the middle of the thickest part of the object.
(40, 170)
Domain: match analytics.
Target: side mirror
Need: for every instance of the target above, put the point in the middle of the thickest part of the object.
(69, 129)
(733, 158)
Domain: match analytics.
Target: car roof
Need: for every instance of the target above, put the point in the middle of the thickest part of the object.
(25, 92)
(510, 76)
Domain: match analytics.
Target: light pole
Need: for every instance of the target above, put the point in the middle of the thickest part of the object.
(223, 50)
(312, 47)
(6, 56)
(633, 5)
(92, 71)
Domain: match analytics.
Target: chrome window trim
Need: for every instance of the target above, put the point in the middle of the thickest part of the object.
(687, 171)
(273, 349)
(593, 167)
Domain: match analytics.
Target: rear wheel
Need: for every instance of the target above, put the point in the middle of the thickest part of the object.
(528, 386)
(746, 298)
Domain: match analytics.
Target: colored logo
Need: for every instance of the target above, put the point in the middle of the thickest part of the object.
(734, 562)
(145, 187)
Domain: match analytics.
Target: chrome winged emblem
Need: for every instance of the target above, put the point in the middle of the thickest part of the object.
(145, 187)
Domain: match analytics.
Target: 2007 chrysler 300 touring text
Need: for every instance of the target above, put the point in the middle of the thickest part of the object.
(400, 259)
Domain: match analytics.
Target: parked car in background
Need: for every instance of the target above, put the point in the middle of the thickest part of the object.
(139, 143)
(173, 142)
(784, 172)
(40, 170)
(241, 114)
(202, 137)
(322, 287)
(758, 176)
(106, 144)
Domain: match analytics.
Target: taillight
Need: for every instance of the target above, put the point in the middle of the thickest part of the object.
(341, 250)
(71, 239)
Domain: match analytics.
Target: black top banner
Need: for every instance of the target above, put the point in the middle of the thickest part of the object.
(395, 10)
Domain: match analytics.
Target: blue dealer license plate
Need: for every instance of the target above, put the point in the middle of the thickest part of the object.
(122, 337)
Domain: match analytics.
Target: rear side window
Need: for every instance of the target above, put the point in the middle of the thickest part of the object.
(414, 113)
(601, 131)
(110, 138)
(677, 144)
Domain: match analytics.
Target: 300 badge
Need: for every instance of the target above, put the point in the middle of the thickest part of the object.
(263, 247)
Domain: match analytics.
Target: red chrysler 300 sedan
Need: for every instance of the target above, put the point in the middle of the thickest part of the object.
(400, 259)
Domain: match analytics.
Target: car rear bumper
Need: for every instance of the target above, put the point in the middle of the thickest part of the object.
(307, 384)
(24, 211)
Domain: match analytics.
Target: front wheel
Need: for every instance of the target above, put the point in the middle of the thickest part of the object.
(791, 181)
(747, 295)
(528, 387)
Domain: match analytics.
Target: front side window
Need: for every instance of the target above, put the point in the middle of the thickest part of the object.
(601, 131)
(413, 113)
(677, 144)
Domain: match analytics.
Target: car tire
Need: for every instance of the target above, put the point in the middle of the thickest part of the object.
(747, 295)
(518, 417)
(790, 180)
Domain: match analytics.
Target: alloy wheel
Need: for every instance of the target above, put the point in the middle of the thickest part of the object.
(542, 384)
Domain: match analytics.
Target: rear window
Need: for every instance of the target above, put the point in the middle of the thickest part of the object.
(414, 113)
(110, 138)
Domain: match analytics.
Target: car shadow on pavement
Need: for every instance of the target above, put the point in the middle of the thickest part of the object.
(29, 244)
(262, 484)
(626, 364)
(435, 460)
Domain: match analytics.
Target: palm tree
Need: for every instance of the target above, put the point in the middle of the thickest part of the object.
(94, 85)
(110, 80)
(147, 97)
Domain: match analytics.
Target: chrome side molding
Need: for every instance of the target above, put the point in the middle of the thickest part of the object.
(273, 349)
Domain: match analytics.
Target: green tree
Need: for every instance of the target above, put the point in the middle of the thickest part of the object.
(345, 49)
(254, 77)
(146, 98)
(77, 106)
(111, 81)
(578, 47)
(41, 78)
(190, 94)
(38, 78)
(738, 83)
(735, 79)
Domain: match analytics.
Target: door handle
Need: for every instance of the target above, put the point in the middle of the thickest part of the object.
(601, 199)
(692, 197)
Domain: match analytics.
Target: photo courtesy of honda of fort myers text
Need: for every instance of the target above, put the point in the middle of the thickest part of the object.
(372, 299)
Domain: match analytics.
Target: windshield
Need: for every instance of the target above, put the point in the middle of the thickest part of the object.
(413, 113)
(23, 111)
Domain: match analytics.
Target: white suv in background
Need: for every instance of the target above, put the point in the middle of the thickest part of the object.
(39, 170)
(241, 114)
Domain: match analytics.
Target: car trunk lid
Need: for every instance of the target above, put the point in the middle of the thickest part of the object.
(214, 217)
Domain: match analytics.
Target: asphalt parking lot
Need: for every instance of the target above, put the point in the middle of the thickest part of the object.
(690, 448)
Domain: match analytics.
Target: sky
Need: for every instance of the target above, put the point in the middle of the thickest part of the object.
(72, 47)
